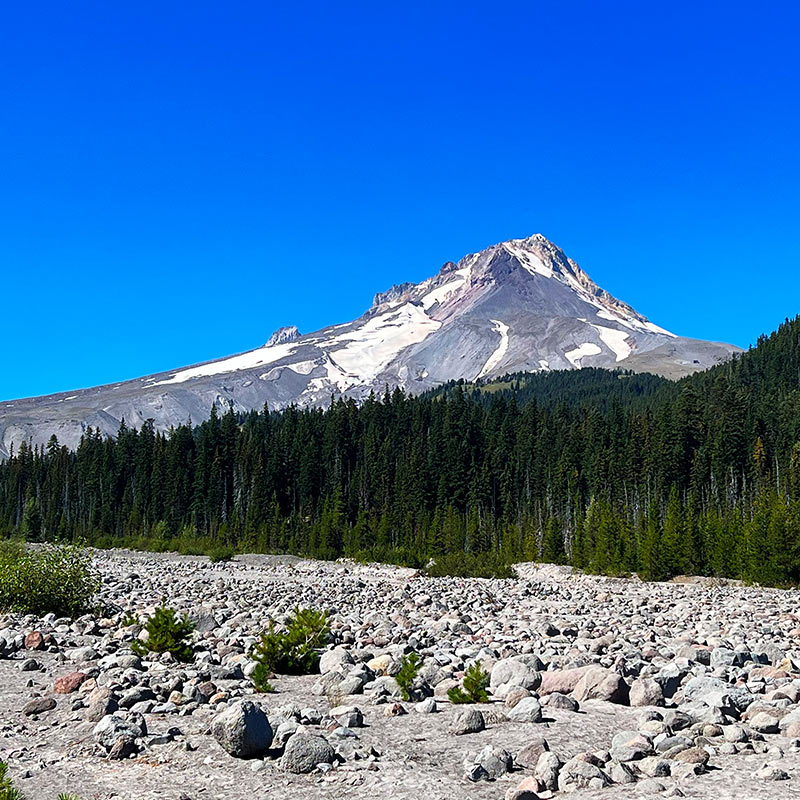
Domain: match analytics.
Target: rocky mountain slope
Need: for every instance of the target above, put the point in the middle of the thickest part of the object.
(520, 305)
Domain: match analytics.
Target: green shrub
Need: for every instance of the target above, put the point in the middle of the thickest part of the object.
(128, 619)
(293, 651)
(63, 796)
(219, 553)
(53, 578)
(470, 565)
(166, 633)
(409, 669)
(7, 790)
(476, 679)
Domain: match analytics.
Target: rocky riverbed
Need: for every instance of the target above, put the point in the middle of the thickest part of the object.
(602, 687)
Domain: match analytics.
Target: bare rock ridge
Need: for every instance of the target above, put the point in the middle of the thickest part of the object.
(288, 333)
(521, 305)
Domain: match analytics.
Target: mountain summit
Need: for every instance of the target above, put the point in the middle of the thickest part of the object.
(521, 305)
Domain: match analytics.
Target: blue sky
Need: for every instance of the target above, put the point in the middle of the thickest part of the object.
(180, 179)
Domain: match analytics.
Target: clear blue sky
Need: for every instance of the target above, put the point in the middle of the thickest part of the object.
(179, 179)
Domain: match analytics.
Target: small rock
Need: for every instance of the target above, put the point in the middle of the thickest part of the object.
(304, 751)
(38, 706)
(67, 684)
(468, 721)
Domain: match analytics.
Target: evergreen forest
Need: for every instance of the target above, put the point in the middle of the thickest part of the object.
(608, 471)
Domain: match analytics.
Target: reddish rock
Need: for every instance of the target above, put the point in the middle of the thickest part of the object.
(768, 672)
(598, 683)
(562, 681)
(34, 641)
(527, 790)
(67, 684)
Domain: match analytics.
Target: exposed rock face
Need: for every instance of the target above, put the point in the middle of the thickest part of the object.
(521, 305)
(283, 335)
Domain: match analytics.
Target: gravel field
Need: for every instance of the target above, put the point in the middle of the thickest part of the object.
(600, 687)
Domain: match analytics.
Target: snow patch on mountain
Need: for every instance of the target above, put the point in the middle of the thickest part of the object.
(443, 292)
(616, 341)
(530, 261)
(586, 349)
(253, 358)
(497, 356)
(370, 348)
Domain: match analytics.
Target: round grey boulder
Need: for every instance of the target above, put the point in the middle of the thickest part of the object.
(510, 673)
(469, 721)
(527, 710)
(243, 730)
(304, 751)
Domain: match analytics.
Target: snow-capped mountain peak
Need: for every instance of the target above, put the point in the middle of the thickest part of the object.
(520, 305)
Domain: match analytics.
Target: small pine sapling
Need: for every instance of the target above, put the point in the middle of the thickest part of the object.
(166, 632)
(476, 679)
(7, 790)
(409, 669)
(293, 651)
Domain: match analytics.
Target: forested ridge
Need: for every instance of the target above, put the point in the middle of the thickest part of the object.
(608, 471)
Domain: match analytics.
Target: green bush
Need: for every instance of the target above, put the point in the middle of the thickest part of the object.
(470, 565)
(166, 633)
(476, 679)
(293, 651)
(7, 790)
(220, 553)
(53, 578)
(409, 669)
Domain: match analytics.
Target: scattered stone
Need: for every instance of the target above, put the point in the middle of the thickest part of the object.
(304, 751)
(467, 721)
(67, 684)
(598, 683)
(579, 774)
(38, 706)
(527, 789)
(772, 773)
(527, 710)
(646, 692)
(243, 730)
(528, 757)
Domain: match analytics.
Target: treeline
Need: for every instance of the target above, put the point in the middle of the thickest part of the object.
(626, 473)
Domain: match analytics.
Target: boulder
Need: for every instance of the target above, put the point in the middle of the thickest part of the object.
(527, 789)
(243, 730)
(510, 673)
(468, 721)
(528, 757)
(547, 769)
(563, 681)
(348, 716)
(646, 692)
(336, 660)
(527, 710)
(561, 701)
(304, 751)
(38, 706)
(67, 684)
(579, 774)
(492, 763)
(598, 683)
(118, 736)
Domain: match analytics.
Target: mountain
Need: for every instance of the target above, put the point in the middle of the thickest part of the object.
(518, 306)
